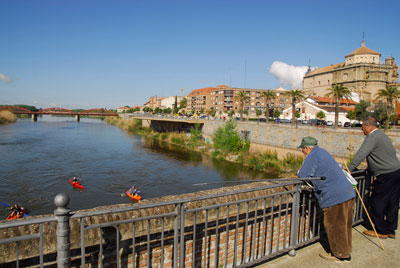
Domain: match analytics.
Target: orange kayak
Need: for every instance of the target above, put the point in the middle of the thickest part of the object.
(14, 217)
(76, 184)
(134, 197)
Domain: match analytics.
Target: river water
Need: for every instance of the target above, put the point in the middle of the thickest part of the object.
(36, 158)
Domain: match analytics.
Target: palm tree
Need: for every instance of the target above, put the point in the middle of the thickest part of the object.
(338, 91)
(390, 94)
(242, 97)
(295, 95)
(268, 95)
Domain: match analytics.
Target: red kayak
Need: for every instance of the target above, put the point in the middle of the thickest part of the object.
(134, 197)
(14, 217)
(76, 184)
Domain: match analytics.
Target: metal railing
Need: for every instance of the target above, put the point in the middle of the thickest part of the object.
(229, 229)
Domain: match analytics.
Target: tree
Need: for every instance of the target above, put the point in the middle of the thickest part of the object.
(277, 113)
(227, 139)
(242, 97)
(295, 96)
(351, 115)
(390, 94)
(212, 112)
(183, 103)
(379, 112)
(338, 91)
(258, 113)
(320, 115)
(361, 110)
(268, 95)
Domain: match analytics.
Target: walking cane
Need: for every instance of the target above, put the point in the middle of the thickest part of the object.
(366, 211)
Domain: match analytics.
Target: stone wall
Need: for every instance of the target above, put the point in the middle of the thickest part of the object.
(285, 138)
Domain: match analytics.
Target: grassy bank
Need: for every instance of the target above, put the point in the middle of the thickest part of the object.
(7, 117)
(227, 145)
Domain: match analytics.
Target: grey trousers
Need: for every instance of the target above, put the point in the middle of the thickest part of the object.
(338, 221)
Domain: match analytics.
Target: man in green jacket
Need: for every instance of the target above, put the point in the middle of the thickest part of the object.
(384, 164)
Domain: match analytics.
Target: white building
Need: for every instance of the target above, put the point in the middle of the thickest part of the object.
(169, 102)
(309, 108)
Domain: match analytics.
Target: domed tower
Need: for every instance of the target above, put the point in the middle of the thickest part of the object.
(363, 54)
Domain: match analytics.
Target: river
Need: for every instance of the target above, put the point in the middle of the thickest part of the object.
(37, 158)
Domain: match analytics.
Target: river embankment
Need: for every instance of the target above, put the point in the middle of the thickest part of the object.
(7, 117)
(224, 144)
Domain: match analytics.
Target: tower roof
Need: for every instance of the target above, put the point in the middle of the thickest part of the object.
(362, 50)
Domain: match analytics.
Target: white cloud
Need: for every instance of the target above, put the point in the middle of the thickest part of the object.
(288, 75)
(5, 78)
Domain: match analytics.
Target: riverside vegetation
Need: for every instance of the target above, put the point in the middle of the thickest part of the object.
(7, 117)
(226, 145)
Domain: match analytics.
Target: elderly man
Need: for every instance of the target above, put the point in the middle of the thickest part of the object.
(335, 196)
(384, 164)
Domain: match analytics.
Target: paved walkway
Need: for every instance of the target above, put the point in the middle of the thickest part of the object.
(366, 253)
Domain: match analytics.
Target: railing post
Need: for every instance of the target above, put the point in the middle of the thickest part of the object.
(63, 230)
(295, 220)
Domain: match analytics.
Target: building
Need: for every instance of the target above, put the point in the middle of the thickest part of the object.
(122, 109)
(309, 108)
(199, 100)
(169, 102)
(162, 102)
(361, 72)
(223, 99)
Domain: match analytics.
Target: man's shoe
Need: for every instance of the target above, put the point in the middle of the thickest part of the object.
(393, 236)
(373, 234)
(330, 257)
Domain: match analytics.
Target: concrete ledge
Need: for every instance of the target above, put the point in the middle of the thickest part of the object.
(366, 253)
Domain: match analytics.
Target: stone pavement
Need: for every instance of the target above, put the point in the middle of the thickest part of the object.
(367, 253)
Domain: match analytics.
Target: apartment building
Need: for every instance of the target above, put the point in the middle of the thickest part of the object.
(224, 99)
(199, 100)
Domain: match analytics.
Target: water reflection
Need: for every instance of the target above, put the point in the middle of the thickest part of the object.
(228, 170)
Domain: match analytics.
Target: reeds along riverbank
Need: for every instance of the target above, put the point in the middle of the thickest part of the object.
(7, 117)
(265, 162)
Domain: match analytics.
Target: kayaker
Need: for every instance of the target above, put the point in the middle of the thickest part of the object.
(132, 191)
(17, 211)
(74, 180)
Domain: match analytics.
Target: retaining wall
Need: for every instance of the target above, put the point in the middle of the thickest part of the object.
(285, 138)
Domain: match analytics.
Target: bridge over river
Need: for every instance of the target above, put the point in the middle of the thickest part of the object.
(59, 111)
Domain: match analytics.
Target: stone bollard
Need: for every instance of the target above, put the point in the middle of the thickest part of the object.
(63, 230)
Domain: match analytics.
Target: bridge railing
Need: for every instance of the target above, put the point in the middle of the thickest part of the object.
(229, 229)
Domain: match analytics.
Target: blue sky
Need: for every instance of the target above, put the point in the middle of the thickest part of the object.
(92, 54)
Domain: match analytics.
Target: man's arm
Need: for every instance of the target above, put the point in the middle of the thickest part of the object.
(309, 167)
(362, 153)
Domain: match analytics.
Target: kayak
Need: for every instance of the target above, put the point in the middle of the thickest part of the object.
(134, 197)
(76, 184)
(14, 217)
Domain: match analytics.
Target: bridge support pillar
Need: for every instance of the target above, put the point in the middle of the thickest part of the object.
(62, 214)
(77, 118)
(34, 117)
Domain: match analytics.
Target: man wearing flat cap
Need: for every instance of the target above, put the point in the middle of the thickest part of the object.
(335, 196)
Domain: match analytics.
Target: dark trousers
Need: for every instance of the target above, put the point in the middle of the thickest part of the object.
(384, 202)
(338, 221)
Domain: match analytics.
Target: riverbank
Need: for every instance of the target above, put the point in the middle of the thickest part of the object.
(7, 117)
(225, 145)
